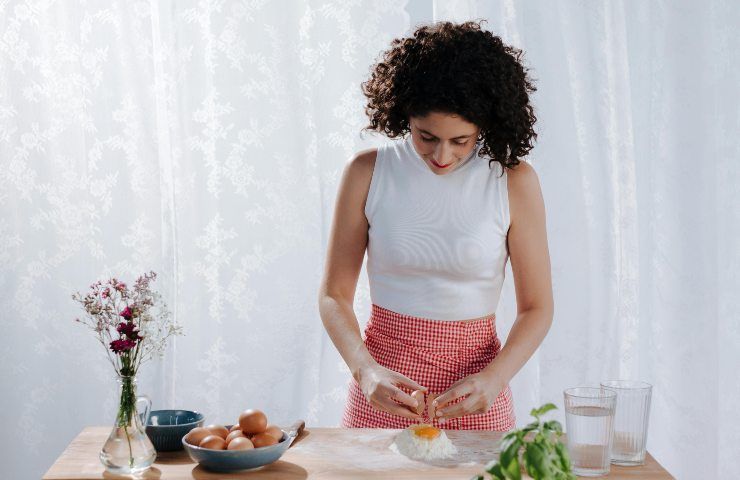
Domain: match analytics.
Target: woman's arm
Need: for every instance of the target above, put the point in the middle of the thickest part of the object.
(530, 264)
(346, 250)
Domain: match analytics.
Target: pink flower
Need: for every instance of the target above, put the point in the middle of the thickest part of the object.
(121, 346)
(128, 330)
(105, 293)
(126, 313)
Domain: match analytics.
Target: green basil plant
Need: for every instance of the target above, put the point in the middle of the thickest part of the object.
(537, 448)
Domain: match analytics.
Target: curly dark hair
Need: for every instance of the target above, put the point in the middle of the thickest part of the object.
(459, 69)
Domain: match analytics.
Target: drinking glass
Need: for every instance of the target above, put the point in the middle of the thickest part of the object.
(589, 421)
(630, 421)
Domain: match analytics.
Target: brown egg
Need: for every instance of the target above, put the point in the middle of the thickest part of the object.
(418, 395)
(235, 427)
(431, 409)
(234, 434)
(275, 431)
(197, 434)
(263, 440)
(214, 442)
(240, 443)
(252, 421)
(219, 430)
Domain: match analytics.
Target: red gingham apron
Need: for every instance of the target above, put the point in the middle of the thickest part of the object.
(435, 354)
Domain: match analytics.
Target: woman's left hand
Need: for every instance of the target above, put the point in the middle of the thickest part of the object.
(480, 390)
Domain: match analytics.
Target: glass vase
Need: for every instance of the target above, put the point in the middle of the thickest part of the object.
(128, 449)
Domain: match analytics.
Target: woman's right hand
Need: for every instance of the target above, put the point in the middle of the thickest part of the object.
(380, 386)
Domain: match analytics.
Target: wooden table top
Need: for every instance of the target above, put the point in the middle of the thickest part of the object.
(325, 453)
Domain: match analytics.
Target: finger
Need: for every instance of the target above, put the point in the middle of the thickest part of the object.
(394, 409)
(421, 405)
(403, 397)
(467, 407)
(405, 381)
(453, 393)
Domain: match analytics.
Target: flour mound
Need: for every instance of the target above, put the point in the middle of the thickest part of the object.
(409, 444)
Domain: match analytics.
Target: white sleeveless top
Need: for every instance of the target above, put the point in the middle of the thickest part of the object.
(437, 243)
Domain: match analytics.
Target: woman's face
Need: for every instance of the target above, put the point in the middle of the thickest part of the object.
(443, 140)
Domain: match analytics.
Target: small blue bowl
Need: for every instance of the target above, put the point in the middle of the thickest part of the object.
(166, 428)
(234, 460)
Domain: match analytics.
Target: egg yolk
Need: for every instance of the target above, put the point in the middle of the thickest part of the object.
(426, 432)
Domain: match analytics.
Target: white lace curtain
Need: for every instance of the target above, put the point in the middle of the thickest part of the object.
(204, 140)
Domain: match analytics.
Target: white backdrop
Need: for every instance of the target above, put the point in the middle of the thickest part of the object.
(204, 140)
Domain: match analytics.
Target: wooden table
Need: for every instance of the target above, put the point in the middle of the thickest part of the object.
(325, 453)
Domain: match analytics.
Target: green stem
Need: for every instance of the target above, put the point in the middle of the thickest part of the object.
(127, 409)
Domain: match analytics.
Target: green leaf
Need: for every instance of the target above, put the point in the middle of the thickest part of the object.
(553, 425)
(491, 465)
(563, 456)
(510, 453)
(531, 471)
(510, 435)
(496, 471)
(536, 462)
(540, 437)
(513, 471)
(477, 477)
(538, 412)
(506, 443)
(530, 427)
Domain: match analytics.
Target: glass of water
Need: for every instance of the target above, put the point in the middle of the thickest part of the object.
(630, 421)
(589, 421)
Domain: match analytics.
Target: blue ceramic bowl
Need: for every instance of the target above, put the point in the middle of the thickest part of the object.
(166, 428)
(233, 460)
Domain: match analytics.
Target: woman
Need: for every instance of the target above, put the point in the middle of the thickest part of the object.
(440, 209)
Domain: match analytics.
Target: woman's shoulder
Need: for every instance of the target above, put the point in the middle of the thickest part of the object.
(364, 159)
(359, 170)
(362, 163)
(525, 195)
(521, 178)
